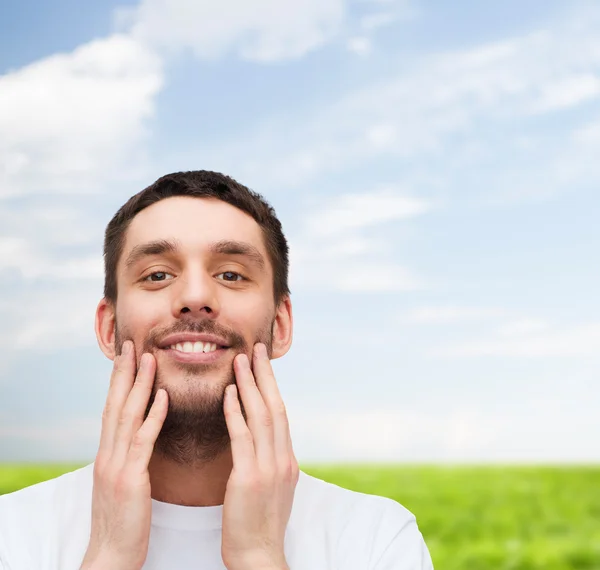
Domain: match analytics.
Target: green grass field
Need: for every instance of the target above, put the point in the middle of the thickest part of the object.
(472, 518)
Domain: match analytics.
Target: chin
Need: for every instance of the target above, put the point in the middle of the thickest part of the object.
(187, 379)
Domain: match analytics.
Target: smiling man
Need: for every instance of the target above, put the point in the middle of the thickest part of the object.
(195, 467)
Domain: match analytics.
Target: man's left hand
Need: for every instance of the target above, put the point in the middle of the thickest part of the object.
(260, 490)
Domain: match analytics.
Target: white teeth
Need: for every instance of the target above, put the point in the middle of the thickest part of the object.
(197, 346)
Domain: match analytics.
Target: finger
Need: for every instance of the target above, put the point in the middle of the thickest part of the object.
(142, 444)
(260, 421)
(132, 415)
(242, 443)
(121, 381)
(267, 384)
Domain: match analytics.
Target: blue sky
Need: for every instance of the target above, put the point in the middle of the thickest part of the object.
(435, 169)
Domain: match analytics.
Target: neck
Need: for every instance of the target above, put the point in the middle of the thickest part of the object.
(194, 485)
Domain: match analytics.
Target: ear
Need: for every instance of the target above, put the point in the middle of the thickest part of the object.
(105, 328)
(282, 329)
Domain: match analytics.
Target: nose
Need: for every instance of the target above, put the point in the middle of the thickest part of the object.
(196, 295)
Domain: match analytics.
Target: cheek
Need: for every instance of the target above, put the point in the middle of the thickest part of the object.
(136, 318)
(246, 319)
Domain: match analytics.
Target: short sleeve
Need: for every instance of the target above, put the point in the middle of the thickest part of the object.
(406, 551)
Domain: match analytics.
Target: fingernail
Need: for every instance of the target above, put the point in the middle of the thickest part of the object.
(126, 347)
(144, 361)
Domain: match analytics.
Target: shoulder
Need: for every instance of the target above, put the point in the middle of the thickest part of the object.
(318, 495)
(41, 494)
(366, 530)
(36, 515)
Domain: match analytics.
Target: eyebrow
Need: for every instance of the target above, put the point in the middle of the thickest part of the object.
(158, 247)
(223, 247)
(232, 247)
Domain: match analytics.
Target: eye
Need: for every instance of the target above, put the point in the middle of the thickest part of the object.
(161, 274)
(231, 276)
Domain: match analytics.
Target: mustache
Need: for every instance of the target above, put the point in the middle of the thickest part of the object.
(234, 339)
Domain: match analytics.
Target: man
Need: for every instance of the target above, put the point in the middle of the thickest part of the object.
(195, 468)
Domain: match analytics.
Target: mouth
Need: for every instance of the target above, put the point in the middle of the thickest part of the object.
(197, 352)
(195, 346)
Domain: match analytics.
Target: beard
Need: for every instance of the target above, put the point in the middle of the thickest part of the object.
(195, 430)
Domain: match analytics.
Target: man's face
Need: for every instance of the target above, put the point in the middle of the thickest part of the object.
(217, 282)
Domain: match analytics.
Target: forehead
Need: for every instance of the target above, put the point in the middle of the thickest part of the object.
(194, 222)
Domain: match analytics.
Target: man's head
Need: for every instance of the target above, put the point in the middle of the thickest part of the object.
(195, 257)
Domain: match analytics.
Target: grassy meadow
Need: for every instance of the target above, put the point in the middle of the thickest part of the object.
(472, 518)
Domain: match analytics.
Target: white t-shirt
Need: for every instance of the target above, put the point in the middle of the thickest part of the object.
(47, 527)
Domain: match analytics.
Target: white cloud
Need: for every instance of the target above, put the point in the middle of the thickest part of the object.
(74, 439)
(362, 42)
(50, 225)
(464, 434)
(66, 432)
(377, 20)
(466, 110)
(588, 135)
(262, 30)
(369, 276)
(333, 252)
(538, 341)
(46, 319)
(360, 46)
(17, 253)
(69, 122)
(354, 211)
(567, 92)
(381, 136)
(348, 264)
(521, 327)
(451, 314)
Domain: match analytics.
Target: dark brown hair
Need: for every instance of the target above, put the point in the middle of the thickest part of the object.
(198, 184)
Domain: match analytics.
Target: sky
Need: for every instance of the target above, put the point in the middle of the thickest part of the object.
(435, 168)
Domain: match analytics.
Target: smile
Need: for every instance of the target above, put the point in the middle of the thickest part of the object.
(197, 346)
(187, 352)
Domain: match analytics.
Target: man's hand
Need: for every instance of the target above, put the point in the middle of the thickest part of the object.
(121, 500)
(260, 489)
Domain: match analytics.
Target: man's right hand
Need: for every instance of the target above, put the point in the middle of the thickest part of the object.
(121, 500)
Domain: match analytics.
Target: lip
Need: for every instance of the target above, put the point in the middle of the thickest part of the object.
(195, 357)
(192, 337)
